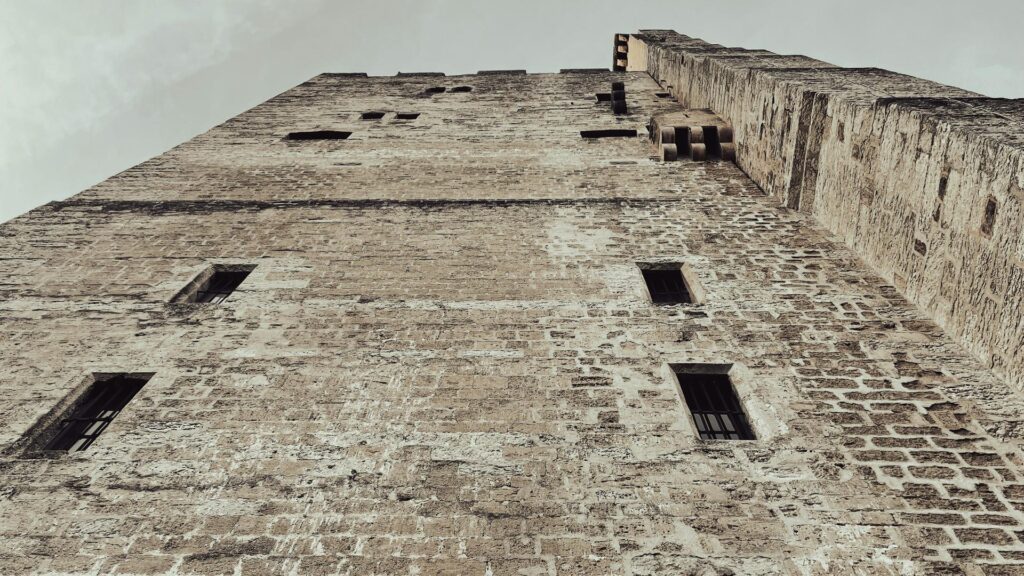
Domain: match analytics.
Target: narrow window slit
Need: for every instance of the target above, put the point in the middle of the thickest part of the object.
(319, 135)
(462, 89)
(407, 115)
(609, 133)
(372, 115)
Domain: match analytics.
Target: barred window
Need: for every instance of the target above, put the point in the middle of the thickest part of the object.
(215, 284)
(94, 411)
(711, 398)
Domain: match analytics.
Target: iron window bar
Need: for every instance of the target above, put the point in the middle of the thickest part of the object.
(220, 286)
(716, 410)
(103, 402)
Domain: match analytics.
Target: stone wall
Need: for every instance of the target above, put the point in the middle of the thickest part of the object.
(924, 181)
(445, 363)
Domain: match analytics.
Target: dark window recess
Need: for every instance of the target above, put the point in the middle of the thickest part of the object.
(319, 135)
(612, 133)
(220, 285)
(990, 217)
(372, 115)
(462, 89)
(711, 141)
(94, 411)
(662, 94)
(712, 401)
(667, 286)
(407, 115)
(604, 96)
(435, 90)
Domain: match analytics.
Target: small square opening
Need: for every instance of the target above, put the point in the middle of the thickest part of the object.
(666, 283)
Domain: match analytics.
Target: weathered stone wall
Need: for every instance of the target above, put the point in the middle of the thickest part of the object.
(444, 361)
(901, 169)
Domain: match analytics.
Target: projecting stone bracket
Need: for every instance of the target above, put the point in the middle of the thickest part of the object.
(699, 135)
(620, 58)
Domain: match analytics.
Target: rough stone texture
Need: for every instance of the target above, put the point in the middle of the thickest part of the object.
(899, 168)
(445, 363)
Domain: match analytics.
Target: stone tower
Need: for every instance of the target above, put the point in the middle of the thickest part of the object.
(717, 311)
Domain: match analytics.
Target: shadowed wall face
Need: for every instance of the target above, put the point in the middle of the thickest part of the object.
(444, 358)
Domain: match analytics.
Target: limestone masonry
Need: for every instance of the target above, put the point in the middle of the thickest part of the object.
(416, 325)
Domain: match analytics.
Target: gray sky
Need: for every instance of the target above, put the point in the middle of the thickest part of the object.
(89, 87)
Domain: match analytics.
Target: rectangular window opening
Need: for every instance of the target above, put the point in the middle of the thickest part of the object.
(319, 135)
(214, 285)
(462, 89)
(407, 115)
(666, 284)
(662, 94)
(610, 133)
(371, 115)
(712, 401)
(94, 410)
(604, 96)
(435, 90)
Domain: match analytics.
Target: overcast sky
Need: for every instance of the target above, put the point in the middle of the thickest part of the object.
(90, 87)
